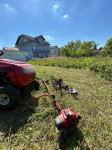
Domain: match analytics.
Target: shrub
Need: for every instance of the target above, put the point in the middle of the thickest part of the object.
(99, 65)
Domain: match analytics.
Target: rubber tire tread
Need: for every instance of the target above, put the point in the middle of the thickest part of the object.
(13, 95)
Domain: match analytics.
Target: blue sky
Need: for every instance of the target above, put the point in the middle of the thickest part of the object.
(59, 21)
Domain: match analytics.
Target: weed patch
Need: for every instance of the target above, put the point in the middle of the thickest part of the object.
(100, 65)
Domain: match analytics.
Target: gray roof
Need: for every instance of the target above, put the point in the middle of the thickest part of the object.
(31, 38)
(52, 47)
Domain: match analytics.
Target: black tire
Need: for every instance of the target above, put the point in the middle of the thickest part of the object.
(36, 84)
(29, 88)
(9, 95)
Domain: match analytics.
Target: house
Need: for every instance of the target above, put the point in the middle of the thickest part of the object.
(36, 47)
(98, 52)
(54, 51)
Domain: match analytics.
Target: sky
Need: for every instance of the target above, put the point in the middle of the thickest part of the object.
(59, 21)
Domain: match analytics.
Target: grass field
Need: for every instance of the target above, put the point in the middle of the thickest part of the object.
(31, 126)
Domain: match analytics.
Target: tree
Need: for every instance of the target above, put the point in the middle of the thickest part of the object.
(94, 45)
(76, 49)
(100, 48)
(65, 51)
(71, 44)
(88, 47)
(107, 50)
(70, 49)
(78, 44)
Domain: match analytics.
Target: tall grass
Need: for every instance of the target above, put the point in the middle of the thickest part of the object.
(100, 65)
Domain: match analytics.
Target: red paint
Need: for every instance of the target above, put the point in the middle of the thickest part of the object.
(71, 119)
(16, 74)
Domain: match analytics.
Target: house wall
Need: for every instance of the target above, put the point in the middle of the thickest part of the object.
(14, 55)
(26, 47)
(40, 50)
(54, 51)
(35, 49)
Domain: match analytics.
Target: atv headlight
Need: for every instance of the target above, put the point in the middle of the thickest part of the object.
(28, 70)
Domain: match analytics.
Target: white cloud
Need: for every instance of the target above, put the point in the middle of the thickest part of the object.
(58, 10)
(9, 8)
(55, 7)
(65, 16)
(48, 37)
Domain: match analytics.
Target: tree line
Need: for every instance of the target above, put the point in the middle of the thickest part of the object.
(85, 49)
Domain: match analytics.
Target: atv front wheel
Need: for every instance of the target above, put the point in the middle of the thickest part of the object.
(8, 96)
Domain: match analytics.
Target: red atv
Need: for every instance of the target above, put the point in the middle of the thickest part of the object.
(15, 77)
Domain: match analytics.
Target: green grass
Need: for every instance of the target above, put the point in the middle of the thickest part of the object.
(100, 65)
(31, 126)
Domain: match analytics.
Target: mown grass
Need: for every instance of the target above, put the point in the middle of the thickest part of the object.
(30, 125)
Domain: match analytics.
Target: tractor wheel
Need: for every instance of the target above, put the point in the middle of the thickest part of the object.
(36, 84)
(8, 96)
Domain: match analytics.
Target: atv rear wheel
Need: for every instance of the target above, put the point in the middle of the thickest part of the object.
(8, 96)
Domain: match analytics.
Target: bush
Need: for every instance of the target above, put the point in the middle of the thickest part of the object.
(107, 51)
(98, 64)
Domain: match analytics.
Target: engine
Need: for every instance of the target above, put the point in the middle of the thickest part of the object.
(67, 118)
